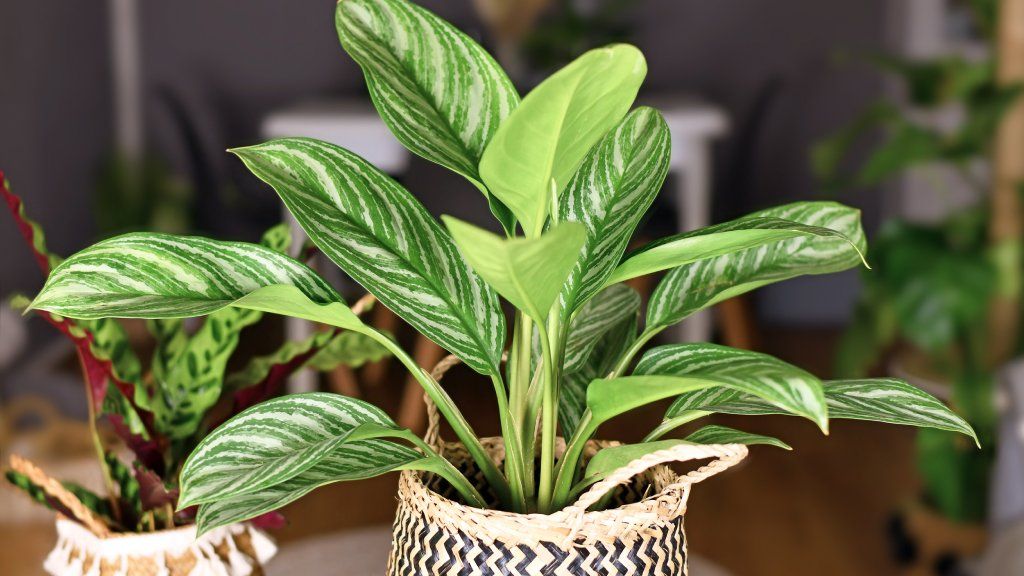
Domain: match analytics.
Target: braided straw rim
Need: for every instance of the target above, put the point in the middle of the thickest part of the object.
(574, 523)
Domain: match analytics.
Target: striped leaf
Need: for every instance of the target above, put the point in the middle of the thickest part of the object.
(528, 272)
(725, 435)
(705, 282)
(878, 400)
(384, 239)
(611, 308)
(439, 92)
(538, 148)
(719, 240)
(146, 275)
(611, 191)
(741, 372)
(572, 395)
(274, 442)
(353, 461)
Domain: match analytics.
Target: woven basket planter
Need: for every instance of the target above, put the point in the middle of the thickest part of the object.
(642, 536)
(237, 550)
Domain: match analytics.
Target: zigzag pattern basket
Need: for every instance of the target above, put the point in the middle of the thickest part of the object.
(643, 536)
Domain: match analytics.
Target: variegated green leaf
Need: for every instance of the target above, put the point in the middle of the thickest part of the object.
(610, 308)
(725, 435)
(702, 283)
(163, 276)
(193, 384)
(350, 349)
(353, 461)
(273, 442)
(383, 238)
(611, 191)
(439, 92)
(538, 148)
(741, 372)
(171, 339)
(528, 272)
(876, 399)
(572, 395)
(713, 241)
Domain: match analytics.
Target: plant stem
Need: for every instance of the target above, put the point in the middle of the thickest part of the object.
(513, 452)
(445, 469)
(638, 344)
(570, 460)
(108, 479)
(671, 424)
(548, 427)
(447, 407)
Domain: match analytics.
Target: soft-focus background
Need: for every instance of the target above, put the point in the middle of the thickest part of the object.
(760, 95)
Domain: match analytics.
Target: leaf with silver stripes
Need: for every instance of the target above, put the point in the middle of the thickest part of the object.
(354, 461)
(381, 236)
(439, 92)
(742, 373)
(608, 309)
(148, 275)
(886, 400)
(613, 188)
(275, 441)
(703, 283)
(572, 396)
(724, 435)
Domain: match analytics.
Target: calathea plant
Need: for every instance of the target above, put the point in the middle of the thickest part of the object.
(163, 408)
(568, 171)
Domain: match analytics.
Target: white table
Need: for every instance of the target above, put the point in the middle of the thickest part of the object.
(364, 552)
(354, 124)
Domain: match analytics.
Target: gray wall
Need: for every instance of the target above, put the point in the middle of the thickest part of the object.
(232, 61)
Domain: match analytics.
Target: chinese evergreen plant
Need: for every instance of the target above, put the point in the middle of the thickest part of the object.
(568, 172)
(933, 284)
(162, 410)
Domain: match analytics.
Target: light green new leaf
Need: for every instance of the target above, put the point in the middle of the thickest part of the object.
(703, 283)
(146, 275)
(353, 461)
(538, 148)
(877, 399)
(528, 272)
(741, 372)
(724, 435)
(275, 441)
(611, 191)
(381, 236)
(439, 92)
(350, 349)
(609, 309)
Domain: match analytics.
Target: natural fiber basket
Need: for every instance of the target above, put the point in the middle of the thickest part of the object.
(236, 550)
(642, 536)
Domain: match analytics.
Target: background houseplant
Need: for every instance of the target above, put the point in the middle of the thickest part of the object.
(571, 168)
(162, 408)
(950, 290)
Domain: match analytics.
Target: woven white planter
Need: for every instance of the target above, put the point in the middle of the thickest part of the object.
(643, 536)
(237, 550)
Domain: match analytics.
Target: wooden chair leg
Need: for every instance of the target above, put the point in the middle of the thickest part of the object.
(411, 412)
(343, 381)
(383, 319)
(736, 320)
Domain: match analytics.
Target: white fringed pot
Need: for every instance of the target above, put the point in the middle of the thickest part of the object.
(236, 550)
(643, 536)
